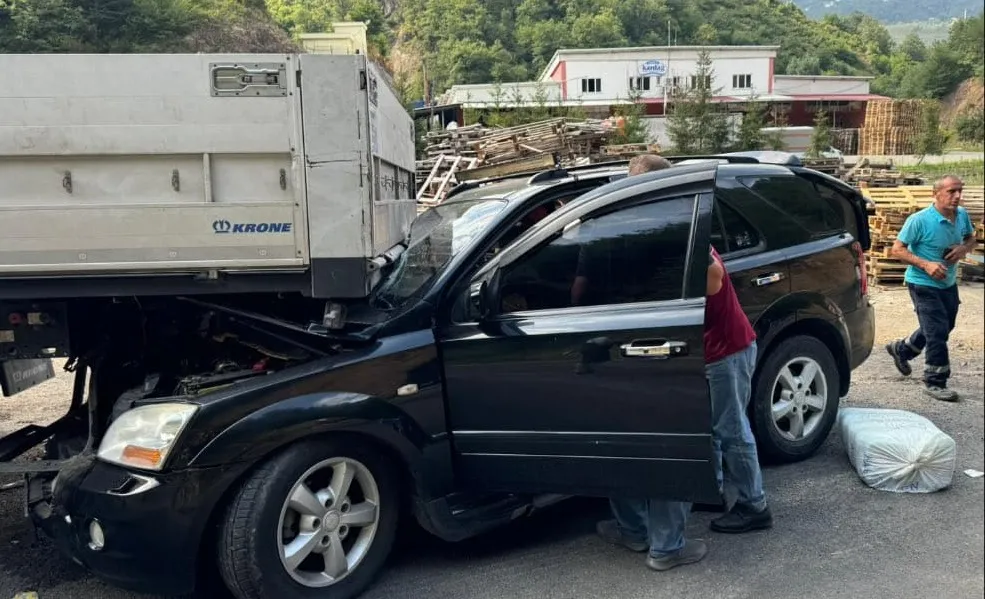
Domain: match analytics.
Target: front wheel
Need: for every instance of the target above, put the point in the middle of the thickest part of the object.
(317, 521)
(795, 399)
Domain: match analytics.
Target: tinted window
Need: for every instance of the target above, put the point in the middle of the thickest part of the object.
(797, 198)
(632, 255)
(730, 231)
(839, 202)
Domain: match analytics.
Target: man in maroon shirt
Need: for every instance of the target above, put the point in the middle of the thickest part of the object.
(658, 526)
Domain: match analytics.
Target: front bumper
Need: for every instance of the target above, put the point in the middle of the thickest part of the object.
(153, 525)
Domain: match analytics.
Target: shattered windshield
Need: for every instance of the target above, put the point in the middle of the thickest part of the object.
(435, 237)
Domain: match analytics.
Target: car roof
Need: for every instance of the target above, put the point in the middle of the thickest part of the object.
(521, 186)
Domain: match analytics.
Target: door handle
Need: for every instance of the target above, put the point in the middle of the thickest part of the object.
(764, 280)
(667, 349)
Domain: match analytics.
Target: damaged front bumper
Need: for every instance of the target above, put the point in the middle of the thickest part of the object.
(137, 531)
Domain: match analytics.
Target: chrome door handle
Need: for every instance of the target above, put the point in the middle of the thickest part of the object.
(773, 277)
(668, 349)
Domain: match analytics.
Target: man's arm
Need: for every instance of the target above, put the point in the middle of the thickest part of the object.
(716, 275)
(968, 245)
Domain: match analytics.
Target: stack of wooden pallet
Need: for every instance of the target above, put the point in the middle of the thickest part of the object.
(890, 127)
(451, 152)
(892, 207)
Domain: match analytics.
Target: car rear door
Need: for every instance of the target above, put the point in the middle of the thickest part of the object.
(586, 376)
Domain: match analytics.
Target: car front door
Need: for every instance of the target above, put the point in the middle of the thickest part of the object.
(586, 374)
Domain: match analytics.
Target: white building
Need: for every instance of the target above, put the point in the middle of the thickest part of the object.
(599, 79)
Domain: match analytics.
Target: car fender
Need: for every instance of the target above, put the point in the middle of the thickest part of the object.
(797, 310)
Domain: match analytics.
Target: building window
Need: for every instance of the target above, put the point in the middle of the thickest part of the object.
(591, 86)
(639, 83)
(741, 81)
(693, 82)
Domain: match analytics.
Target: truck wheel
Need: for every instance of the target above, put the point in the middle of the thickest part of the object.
(795, 399)
(317, 521)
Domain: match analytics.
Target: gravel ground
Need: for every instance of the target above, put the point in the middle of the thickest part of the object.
(834, 537)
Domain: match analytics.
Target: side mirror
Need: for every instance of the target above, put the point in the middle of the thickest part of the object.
(483, 296)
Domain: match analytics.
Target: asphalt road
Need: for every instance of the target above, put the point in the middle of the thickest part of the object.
(834, 537)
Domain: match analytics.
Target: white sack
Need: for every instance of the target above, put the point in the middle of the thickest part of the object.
(896, 450)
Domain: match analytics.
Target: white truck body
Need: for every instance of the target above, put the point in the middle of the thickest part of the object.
(215, 166)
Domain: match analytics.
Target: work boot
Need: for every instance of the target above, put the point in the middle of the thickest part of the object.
(941, 393)
(742, 518)
(610, 533)
(693, 551)
(902, 365)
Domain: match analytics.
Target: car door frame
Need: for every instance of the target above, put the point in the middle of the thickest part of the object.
(689, 476)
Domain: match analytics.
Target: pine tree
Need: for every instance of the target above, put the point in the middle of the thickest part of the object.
(821, 138)
(696, 124)
(930, 138)
(750, 135)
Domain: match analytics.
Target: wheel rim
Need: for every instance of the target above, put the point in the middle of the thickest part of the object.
(799, 399)
(328, 522)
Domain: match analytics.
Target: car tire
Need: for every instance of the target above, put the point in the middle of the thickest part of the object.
(791, 423)
(262, 525)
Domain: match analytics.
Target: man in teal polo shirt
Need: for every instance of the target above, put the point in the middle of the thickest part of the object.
(932, 242)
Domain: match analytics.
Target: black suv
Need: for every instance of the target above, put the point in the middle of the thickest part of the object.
(538, 337)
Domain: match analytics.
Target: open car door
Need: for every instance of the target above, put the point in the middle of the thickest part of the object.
(578, 365)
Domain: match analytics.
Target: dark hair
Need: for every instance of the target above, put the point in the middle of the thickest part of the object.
(645, 163)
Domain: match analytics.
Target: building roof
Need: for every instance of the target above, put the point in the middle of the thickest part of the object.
(837, 97)
(563, 53)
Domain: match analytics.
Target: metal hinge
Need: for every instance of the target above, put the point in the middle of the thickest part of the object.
(248, 79)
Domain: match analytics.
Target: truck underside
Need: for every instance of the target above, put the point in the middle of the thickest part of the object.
(124, 350)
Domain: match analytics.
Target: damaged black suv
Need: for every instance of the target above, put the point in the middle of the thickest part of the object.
(480, 380)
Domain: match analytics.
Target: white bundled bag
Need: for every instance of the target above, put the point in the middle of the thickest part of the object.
(896, 450)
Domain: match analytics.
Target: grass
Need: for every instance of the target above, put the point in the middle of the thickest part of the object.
(972, 172)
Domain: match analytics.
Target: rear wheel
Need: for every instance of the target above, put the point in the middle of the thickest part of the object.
(317, 521)
(795, 399)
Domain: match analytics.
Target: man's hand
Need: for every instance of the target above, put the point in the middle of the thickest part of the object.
(936, 270)
(956, 254)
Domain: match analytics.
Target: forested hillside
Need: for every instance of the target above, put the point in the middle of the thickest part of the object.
(475, 41)
(893, 11)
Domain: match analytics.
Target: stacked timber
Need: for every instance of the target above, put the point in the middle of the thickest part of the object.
(501, 151)
(845, 141)
(892, 206)
(890, 128)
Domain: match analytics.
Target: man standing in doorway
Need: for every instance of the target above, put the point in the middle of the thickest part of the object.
(730, 358)
(932, 242)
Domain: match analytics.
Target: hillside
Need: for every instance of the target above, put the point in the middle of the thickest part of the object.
(893, 11)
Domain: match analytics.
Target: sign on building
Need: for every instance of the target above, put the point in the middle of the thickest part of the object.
(653, 67)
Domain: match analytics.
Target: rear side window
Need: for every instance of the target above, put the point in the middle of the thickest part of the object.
(799, 199)
(730, 231)
(839, 202)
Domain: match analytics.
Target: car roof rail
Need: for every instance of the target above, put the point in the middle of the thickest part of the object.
(729, 157)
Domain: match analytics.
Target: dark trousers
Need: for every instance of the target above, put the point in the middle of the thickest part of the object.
(937, 310)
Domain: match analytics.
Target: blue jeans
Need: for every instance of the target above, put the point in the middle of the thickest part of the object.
(662, 523)
(937, 312)
(730, 383)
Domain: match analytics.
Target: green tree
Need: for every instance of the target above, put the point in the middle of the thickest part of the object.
(821, 138)
(750, 134)
(635, 129)
(969, 126)
(696, 124)
(930, 138)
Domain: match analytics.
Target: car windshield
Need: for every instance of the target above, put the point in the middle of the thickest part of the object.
(435, 237)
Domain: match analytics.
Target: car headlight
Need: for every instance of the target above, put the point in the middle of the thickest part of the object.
(143, 436)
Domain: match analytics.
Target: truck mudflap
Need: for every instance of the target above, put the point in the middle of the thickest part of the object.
(21, 375)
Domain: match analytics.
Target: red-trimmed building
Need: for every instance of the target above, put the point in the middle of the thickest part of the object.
(597, 80)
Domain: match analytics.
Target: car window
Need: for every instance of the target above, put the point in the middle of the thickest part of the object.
(634, 254)
(839, 202)
(731, 232)
(799, 199)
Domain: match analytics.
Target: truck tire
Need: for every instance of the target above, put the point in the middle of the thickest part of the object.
(794, 400)
(316, 521)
